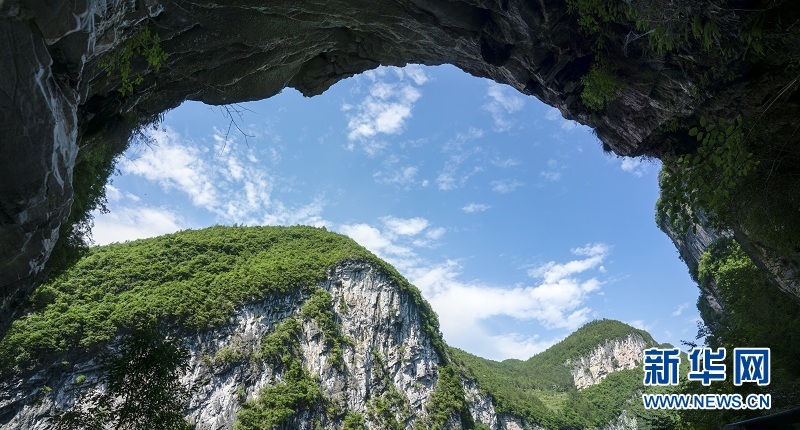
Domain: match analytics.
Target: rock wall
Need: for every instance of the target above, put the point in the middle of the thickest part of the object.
(612, 356)
(691, 246)
(381, 320)
(58, 95)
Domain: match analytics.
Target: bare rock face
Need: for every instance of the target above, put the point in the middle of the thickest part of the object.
(691, 245)
(59, 93)
(612, 356)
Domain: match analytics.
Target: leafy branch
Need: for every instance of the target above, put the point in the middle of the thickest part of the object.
(144, 45)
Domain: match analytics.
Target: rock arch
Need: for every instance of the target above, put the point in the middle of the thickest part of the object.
(56, 95)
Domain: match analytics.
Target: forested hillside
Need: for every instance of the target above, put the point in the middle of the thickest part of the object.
(541, 389)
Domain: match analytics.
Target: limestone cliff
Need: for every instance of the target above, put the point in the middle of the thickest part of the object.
(389, 351)
(388, 371)
(691, 245)
(64, 90)
(609, 357)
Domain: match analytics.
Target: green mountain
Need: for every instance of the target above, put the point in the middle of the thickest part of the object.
(286, 327)
(604, 354)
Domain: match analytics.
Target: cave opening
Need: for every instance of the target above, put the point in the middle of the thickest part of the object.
(513, 222)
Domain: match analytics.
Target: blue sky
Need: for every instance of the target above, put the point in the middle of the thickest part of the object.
(510, 219)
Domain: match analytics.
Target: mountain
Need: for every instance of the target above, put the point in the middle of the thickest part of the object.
(284, 327)
(590, 379)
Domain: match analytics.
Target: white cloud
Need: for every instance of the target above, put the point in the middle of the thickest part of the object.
(435, 233)
(503, 102)
(679, 310)
(553, 272)
(640, 324)
(175, 165)
(556, 302)
(375, 240)
(505, 186)
(386, 108)
(309, 214)
(505, 163)
(415, 72)
(125, 223)
(403, 176)
(113, 194)
(634, 166)
(229, 182)
(475, 207)
(460, 151)
(405, 226)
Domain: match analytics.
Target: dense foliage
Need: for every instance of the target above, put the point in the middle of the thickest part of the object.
(542, 390)
(187, 281)
(447, 403)
(93, 167)
(276, 403)
(143, 389)
(319, 308)
(756, 315)
(281, 345)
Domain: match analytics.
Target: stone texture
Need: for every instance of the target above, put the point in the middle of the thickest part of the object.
(691, 246)
(390, 350)
(612, 356)
(379, 318)
(55, 96)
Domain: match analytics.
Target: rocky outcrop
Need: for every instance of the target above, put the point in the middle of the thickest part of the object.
(691, 245)
(623, 422)
(609, 357)
(59, 92)
(383, 323)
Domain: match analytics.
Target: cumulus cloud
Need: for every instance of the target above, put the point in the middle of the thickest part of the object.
(555, 300)
(503, 102)
(475, 207)
(405, 226)
(128, 221)
(175, 164)
(386, 108)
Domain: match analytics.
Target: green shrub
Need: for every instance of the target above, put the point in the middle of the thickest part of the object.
(353, 421)
(277, 403)
(599, 87)
(706, 179)
(143, 388)
(143, 45)
(319, 307)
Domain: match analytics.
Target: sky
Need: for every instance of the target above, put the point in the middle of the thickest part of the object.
(511, 220)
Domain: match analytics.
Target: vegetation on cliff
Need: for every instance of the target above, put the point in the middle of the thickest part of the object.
(756, 315)
(541, 389)
(184, 282)
(143, 389)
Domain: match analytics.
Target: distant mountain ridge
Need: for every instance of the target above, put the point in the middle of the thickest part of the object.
(290, 327)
